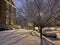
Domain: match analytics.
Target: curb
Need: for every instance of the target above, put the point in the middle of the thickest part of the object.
(50, 41)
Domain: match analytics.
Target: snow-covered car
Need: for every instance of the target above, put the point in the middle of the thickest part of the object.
(58, 35)
(36, 28)
(5, 27)
(49, 33)
(58, 29)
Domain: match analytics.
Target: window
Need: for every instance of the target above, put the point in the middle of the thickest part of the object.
(7, 5)
(7, 13)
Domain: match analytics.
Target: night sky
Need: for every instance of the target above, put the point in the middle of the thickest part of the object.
(17, 3)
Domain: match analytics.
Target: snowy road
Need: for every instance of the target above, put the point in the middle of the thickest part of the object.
(23, 37)
(18, 37)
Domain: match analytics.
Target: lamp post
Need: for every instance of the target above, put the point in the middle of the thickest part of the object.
(40, 24)
(39, 20)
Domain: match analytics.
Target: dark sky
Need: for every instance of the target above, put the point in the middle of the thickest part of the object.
(17, 3)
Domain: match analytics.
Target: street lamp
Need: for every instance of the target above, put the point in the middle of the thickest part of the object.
(40, 14)
(39, 18)
(40, 23)
(41, 26)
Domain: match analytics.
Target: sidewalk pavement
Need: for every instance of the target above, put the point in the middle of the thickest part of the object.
(45, 39)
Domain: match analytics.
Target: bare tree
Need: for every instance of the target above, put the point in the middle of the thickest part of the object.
(41, 12)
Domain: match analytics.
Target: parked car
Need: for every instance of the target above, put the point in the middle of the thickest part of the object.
(49, 33)
(58, 35)
(58, 32)
(11, 27)
(5, 27)
(2, 28)
(36, 29)
(58, 29)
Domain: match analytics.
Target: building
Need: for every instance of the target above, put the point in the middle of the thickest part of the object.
(2, 12)
(7, 12)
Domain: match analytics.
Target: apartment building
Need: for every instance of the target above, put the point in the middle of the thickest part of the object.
(7, 13)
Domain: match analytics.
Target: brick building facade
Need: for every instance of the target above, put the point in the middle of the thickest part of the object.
(7, 13)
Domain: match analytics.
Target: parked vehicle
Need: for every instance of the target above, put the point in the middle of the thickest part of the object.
(36, 29)
(2, 28)
(58, 35)
(58, 32)
(5, 27)
(49, 33)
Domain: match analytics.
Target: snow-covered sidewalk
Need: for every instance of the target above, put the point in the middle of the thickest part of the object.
(24, 37)
(47, 41)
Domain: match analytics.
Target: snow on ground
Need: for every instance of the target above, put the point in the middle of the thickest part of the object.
(23, 37)
(18, 37)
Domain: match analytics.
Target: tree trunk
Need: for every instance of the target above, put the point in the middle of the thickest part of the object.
(40, 30)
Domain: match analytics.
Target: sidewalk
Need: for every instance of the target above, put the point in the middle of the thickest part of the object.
(45, 40)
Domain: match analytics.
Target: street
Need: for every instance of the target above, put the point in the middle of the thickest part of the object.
(18, 37)
(30, 22)
(24, 37)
